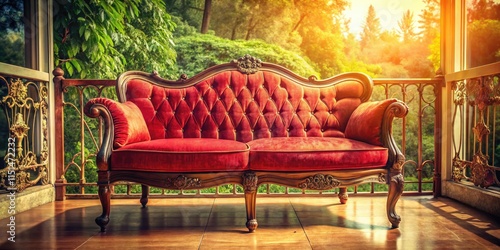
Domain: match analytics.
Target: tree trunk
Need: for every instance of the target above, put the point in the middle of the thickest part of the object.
(251, 28)
(296, 26)
(206, 16)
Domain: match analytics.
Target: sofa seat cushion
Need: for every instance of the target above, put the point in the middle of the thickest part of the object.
(182, 155)
(314, 154)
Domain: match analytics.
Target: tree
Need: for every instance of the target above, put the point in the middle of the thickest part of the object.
(483, 10)
(12, 32)
(320, 28)
(311, 27)
(251, 19)
(483, 32)
(407, 26)
(200, 51)
(101, 39)
(189, 11)
(371, 28)
(207, 11)
(429, 21)
(11, 16)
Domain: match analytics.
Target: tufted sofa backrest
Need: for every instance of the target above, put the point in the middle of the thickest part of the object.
(229, 104)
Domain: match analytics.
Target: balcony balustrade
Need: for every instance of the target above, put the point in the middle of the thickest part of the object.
(475, 128)
(476, 123)
(82, 136)
(24, 134)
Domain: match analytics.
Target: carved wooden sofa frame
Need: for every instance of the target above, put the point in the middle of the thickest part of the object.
(316, 179)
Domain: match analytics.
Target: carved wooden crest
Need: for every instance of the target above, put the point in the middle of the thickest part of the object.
(319, 182)
(250, 181)
(183, 182)
(248, 64)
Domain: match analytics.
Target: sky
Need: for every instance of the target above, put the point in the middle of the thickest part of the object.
(388, 11)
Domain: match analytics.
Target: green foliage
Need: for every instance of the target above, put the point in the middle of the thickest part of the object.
(200, 51)
(100, 39)
(483, 37)
(435, 53)
(311, 28)
(12, 49)
(11, 16)
(189, 11)
(12, 32)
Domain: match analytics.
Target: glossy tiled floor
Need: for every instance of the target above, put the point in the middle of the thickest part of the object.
(284, 223)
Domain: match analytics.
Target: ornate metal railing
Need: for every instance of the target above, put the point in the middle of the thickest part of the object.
(476, 123)
(23, 133)
(78, 143)
(419, 130)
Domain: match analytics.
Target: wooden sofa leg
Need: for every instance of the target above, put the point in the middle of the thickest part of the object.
(343, 195)
(395, 191)
(144, 196)
(104, 196)
(250, 186)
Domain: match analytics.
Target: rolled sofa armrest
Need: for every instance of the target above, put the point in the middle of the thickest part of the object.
(123, 124)
(372, 123)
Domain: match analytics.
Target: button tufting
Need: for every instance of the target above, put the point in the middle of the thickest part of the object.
(322, 130)
(287, 130)
(305, 129)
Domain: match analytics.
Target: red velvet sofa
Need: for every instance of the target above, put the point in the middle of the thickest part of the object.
(247, 122)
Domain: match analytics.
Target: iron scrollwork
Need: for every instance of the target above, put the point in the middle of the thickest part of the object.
(479, 93)
(25, 106)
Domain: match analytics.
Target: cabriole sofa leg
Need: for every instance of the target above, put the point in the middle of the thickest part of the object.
(104, 196)
(396, 185)
(144, 196)
(250, 186)
(250, 199)
(343, 195)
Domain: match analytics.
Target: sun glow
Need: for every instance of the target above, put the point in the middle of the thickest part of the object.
(388, 11)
